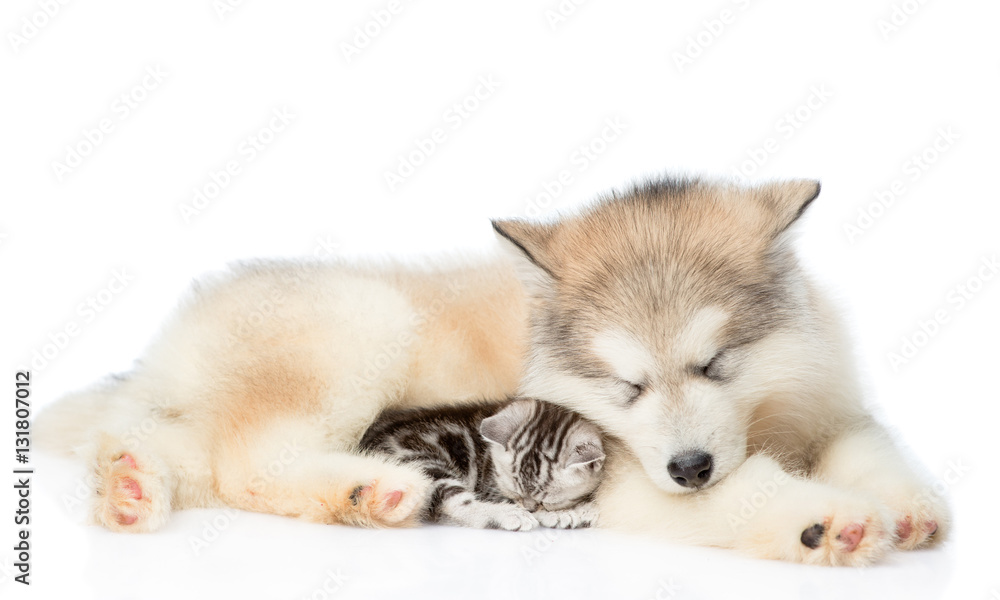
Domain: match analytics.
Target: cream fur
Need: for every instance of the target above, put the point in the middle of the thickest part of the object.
(258, 388)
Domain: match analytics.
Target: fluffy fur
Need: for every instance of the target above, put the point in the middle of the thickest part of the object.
(512, 465)
(672, 314)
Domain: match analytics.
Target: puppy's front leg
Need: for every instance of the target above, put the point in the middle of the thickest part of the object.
(865, 459)
(758, 509)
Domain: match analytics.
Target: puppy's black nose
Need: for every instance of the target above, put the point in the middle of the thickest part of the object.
(691, 469)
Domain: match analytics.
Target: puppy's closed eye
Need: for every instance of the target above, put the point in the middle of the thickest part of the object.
(714, 369)
(633, 390)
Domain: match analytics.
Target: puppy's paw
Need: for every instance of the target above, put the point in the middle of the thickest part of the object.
(396, 499)
(922, 519)
(130, 494)
(814, 523)
(849, 533)
(388, 503)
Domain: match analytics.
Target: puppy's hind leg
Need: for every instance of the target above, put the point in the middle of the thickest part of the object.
(325, 487)
(133, 448)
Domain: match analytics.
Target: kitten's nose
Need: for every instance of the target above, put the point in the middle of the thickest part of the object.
(529, 504)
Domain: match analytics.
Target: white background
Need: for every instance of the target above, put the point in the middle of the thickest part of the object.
(879, 95)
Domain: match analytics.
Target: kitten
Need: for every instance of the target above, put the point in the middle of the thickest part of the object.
(498, 466)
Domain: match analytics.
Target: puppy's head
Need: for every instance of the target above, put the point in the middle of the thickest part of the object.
(655, 314)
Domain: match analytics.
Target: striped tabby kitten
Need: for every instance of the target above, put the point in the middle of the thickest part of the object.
(509, 466)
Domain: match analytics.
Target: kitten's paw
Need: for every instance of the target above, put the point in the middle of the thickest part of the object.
(848, 535)
(130, 494)
(511, 518)
(573, 518)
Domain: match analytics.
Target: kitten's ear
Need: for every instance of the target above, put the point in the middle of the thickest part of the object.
(785, 201)
(499, 427)
(588, 450)
(587, 455)
(527, 246)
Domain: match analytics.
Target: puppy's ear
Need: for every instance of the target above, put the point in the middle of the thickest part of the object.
(499, 427)
(528, 246)
(785, 201)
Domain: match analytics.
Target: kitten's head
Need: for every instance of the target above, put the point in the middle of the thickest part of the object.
(544, 455)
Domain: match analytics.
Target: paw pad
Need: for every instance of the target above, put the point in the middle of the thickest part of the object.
(124, 519)
(931, 527)
(130, 496)
(904, 528)
(130, 488)
(392, 499)
(812, 536)
(914, 531)
(359, 493)
(850, 536)
(380, 502)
